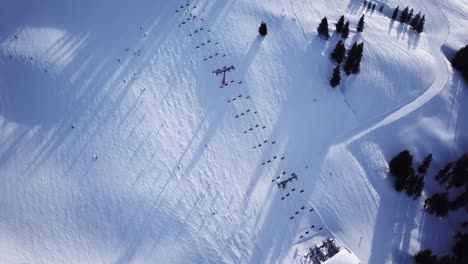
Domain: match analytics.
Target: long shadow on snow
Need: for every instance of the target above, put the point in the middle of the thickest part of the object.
(91, 98)
(306, 144)
(203, 89)
(458, 111)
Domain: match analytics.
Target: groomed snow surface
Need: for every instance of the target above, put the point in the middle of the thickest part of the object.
(117, 144)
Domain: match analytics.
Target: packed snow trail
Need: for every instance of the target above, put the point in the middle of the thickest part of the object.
(441, 78)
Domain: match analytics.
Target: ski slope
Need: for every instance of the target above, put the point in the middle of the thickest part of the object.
(117, 144)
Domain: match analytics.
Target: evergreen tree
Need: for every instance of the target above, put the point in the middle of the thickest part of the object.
(460, 57)
(460, 61)
(415, 21)
(460, 249)
(446, 260)
(323, 28)
(410, 17)
(420, 27)
(373, 7)
(360, 26)
(418, 188)
(365, 3)
(395, 13)
(460, 171)
(404, 15)
(339, 52)
(357, 61)
(336, 78)
(444, 174)
(437, 204)
(460, 201)
(401, 164)
(353, 60)
(381, 9)
(340, 24)
(425, 257)
(262, 30)
(422, 169)
(401, 167)
(369, 5)
(352, 55)
(345, 30)
(411, 183)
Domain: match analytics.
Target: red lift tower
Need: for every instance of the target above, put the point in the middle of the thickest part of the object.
(223, 71)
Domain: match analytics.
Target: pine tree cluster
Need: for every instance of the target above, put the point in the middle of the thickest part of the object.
(401, 167)
(459, 250)
(407, 17)
(455, 174)
(353, 60)
(460, 61)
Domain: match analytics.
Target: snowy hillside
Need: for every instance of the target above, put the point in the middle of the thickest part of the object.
(117, 144)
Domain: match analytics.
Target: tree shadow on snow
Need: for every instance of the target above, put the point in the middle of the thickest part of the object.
(355, 6)
(99, 83)
(458, 111)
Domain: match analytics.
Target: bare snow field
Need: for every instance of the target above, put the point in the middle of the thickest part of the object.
(117, 144)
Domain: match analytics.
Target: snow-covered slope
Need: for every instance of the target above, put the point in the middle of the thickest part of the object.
(118, 146)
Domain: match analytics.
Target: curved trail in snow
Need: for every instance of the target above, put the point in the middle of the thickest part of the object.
(404, 110)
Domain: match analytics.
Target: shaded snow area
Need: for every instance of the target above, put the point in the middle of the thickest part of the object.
(117, 144)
